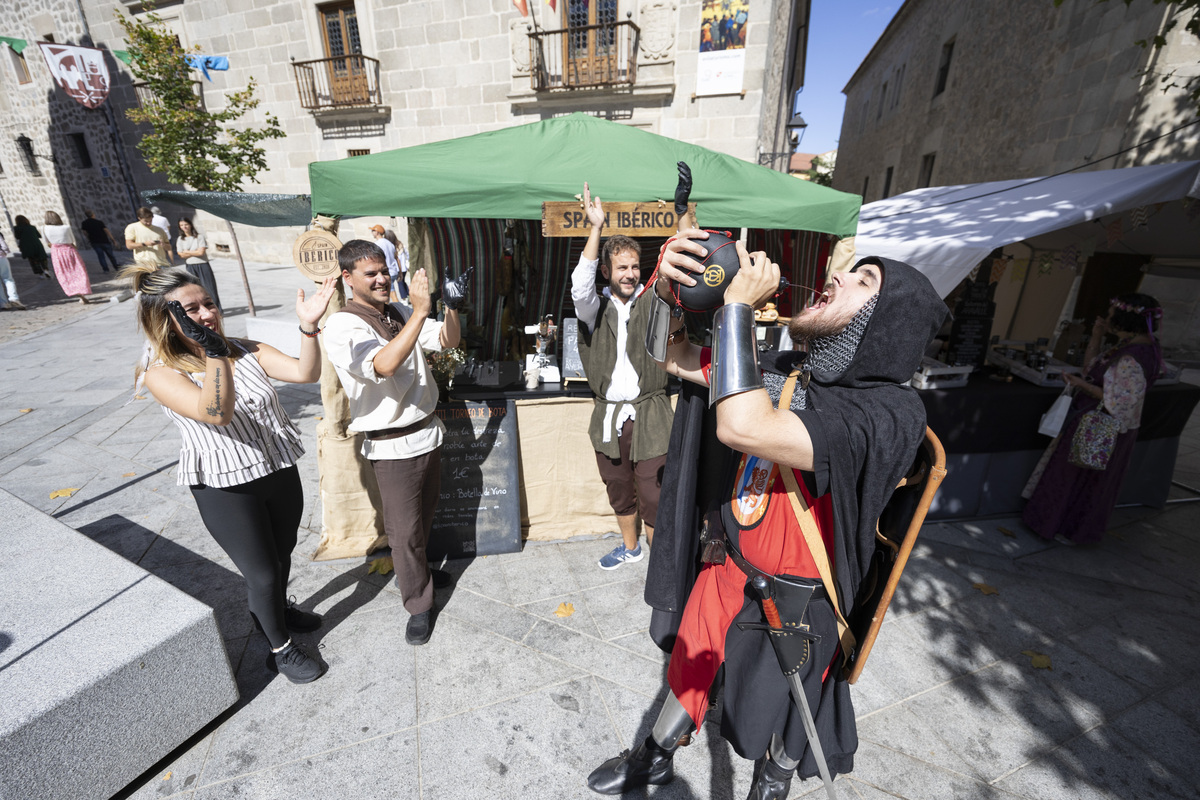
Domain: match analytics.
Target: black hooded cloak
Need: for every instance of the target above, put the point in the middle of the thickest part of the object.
(866, 427)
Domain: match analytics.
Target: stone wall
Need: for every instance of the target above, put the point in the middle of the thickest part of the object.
(48, 117)
(1032, 90)
(447, 68)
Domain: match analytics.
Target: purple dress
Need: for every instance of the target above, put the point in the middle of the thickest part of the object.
(1077, 502)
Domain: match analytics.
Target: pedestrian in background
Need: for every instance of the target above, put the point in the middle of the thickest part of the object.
(101, 239)
(192, 247)
(68, 266)
(8, 287)
(29, 242)
(159, 221)
(147, 241)
(389, 257)
(401, 283)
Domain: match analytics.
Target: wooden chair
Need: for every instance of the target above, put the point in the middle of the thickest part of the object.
(896, 531)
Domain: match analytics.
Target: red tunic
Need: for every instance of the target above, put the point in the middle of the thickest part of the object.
(770, 539)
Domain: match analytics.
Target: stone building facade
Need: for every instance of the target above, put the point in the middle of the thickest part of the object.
(968, 92)
(419, 71)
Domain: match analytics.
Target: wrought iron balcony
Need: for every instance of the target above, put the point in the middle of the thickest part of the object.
(339, 82)
(584, 56)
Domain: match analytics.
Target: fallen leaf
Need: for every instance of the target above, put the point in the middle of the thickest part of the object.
(381, 565)
(63, 492)
(1116, 535)
(167, 777)
(564, 610)
(128, 474)
(985, 588)
(1038, 660)
(26, 410)
(319, 418)
(1007, 533)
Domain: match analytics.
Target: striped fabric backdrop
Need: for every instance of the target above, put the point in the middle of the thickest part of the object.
(801, 255)
(542, 269)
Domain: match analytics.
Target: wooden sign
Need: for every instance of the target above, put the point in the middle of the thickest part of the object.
(479, 507)
(656, 218)
(316, 254)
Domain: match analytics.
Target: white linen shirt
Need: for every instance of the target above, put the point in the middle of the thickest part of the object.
(624, 385)
(378, 402)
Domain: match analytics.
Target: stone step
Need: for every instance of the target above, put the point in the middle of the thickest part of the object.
(104, 668)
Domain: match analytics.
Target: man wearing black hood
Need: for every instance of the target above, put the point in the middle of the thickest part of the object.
(848, 435)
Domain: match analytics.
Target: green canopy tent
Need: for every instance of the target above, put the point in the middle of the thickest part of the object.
(509, 173)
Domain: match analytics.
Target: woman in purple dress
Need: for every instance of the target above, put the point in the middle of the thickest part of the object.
(1073, 504)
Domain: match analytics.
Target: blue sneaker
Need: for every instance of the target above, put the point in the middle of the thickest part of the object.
(621, 556)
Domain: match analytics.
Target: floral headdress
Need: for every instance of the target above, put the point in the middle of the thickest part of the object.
(1152, 312)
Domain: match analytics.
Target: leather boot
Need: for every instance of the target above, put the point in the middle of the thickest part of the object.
(771, 782)
(645, 764)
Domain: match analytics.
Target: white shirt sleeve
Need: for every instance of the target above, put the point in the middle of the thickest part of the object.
(431, 335)
(352, 346)
(583, 291)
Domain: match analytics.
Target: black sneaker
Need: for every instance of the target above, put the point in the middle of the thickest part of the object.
(299, 620)
(295, 664)
(420, 626)
(645, 764)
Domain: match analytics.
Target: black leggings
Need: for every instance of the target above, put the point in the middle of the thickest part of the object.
(255, 523)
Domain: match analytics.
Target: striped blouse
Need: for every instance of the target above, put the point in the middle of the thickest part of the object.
(259, 440)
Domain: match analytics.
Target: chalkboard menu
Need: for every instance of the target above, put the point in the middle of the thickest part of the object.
(572, 365)
(972, 325)
(479, 508)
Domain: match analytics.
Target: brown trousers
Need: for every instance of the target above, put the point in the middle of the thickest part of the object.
(409, 489)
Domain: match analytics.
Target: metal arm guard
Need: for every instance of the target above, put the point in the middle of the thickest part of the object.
(658, 327)
(734, 353)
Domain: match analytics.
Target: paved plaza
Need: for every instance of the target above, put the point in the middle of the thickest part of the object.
(509, 700)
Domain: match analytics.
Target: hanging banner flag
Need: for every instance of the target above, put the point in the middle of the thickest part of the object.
(721, 63)
(998, 267)
(1020, 270)
(522, 6)
(1070, 258)
(79, 71)
(1139, 218)
(1045, 262)
(1114, 231)
(1087, 249)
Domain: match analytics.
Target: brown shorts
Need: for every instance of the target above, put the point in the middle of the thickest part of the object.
(632, 486)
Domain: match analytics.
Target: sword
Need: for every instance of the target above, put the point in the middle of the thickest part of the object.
(797, 688)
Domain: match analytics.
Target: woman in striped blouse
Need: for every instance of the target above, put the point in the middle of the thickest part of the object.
(239, 446)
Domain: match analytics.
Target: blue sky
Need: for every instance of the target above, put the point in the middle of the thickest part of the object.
(841, 34)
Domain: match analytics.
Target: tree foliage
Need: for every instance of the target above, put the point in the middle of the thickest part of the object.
(821, 172)
(1187, 12)
(190, 144)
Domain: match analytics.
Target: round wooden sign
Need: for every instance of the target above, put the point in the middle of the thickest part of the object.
(316, 254)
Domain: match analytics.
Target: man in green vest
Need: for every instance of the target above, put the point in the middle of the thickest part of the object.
(631, 421)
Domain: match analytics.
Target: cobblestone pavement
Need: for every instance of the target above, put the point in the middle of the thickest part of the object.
(512, 700)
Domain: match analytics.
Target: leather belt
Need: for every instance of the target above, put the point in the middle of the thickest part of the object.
(751, 571)
(396, 433)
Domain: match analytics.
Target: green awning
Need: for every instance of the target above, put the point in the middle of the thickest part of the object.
(16, 44)
(248, 208)
(507, 174)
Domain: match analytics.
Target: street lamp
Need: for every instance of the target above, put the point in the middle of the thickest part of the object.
(795, 131)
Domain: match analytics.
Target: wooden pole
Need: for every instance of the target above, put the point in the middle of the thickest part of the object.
(237, 248)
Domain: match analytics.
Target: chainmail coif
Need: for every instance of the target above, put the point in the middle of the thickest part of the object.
(832, 354)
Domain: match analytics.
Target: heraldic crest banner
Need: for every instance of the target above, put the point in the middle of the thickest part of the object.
(80, 71)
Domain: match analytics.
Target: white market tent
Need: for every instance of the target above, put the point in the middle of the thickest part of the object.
(946, 231)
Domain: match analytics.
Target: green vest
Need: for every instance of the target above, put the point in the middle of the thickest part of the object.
(652, 408)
